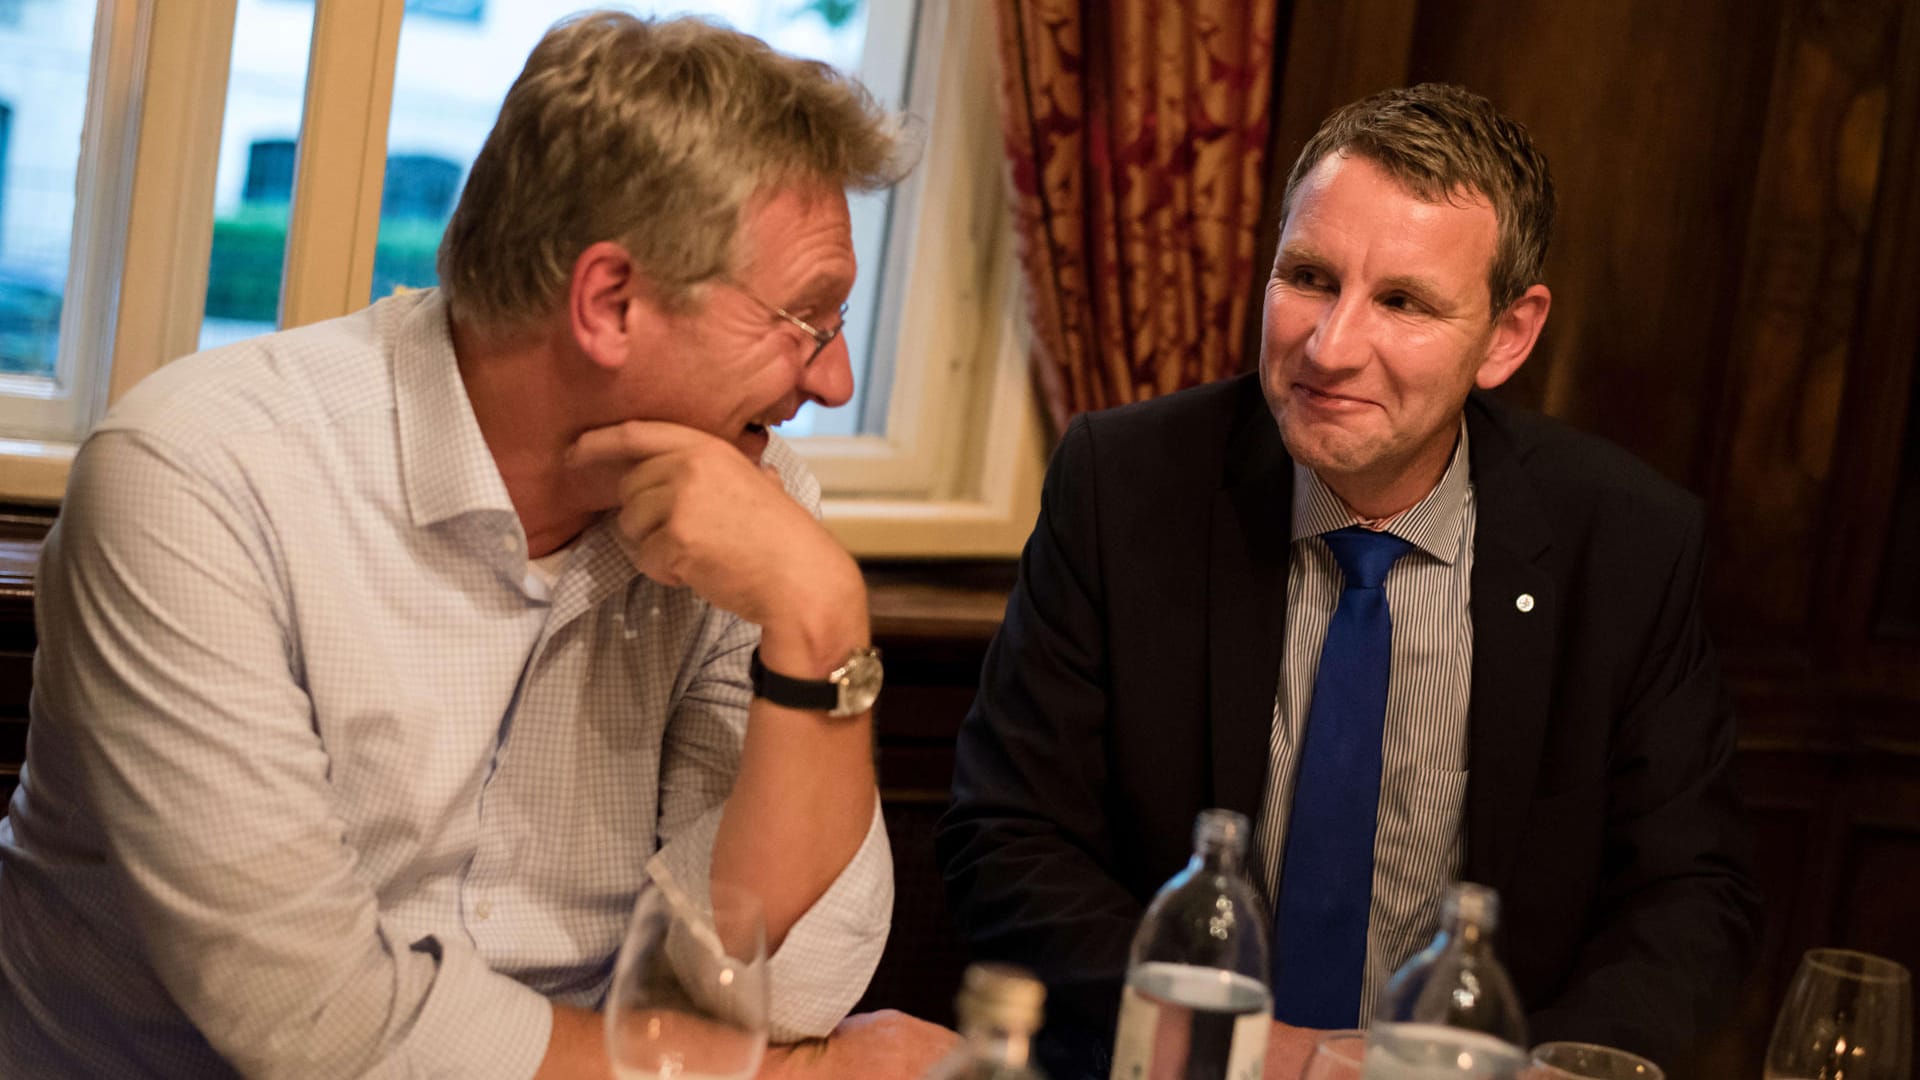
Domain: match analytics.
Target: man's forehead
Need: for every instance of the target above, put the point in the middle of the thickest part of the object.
(1349, 204)
(800, 230)
(1356, 164)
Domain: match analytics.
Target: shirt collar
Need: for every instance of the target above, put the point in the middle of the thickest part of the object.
(1433, 524)
(445, 465)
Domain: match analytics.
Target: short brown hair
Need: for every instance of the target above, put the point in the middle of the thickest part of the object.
(1440, 140)
(654, 134)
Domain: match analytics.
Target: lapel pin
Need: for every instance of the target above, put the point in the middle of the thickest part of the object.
(1524, 602)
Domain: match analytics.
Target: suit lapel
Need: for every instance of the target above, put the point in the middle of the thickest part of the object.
(1515, 619)
(1246, 603)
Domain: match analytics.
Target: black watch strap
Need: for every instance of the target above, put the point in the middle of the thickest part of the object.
(822, 695)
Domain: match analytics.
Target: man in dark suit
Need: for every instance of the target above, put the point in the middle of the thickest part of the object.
(1553, 724)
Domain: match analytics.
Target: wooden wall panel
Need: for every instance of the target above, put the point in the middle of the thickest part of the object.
(1651, 115)
(1820, 175)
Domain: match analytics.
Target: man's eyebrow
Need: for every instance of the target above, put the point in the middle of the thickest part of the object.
(1424, 288)
(818, 294)
(1415, 284)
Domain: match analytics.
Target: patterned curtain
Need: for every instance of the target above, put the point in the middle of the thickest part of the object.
(1137, 134)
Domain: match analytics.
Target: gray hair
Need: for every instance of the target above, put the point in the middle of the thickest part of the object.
(1440, 141)
(656, 135)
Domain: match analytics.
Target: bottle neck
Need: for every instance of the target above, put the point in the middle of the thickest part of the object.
(1466, 934)
(1468, 920)
(1224, 859)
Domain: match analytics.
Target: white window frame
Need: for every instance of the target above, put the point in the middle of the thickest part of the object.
(143, 218)
(957, 472)
(956, 475)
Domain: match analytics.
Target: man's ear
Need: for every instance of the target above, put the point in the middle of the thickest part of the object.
(605, 303)
(1514, 332)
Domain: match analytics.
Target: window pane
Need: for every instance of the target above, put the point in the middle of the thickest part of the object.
(254, 186)
(45, 48)
(453, 72)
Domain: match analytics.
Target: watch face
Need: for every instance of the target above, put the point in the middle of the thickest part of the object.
(859, 682)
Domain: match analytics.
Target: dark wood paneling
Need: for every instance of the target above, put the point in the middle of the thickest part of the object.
(20, 537)
(1821, 174)
(1651, 114)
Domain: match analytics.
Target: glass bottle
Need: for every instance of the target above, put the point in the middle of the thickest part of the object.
(1196, 1004)
(1450, 1011)
(999, 1010)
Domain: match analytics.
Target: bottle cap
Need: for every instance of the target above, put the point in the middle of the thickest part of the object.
(1001, 995)
(1220, 830)
(1471, 903)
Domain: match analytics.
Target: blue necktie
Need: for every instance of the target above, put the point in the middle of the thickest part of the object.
(1326, 876)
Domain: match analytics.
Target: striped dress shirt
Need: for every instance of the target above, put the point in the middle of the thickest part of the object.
(1418, 840)
(324, 778)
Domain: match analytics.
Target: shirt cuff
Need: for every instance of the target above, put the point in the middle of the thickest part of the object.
(830, 953)
(475, 1022)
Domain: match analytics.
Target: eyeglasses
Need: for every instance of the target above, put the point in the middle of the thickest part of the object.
(821, 338)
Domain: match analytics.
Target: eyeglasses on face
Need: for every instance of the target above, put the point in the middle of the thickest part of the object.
(821, 338)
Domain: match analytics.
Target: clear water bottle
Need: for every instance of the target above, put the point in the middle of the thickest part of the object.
(999, 1010)
(1196, 1004)
(1450, 1012)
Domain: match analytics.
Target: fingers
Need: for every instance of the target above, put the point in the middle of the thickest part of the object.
(598, 462)
(634, 440)
(642, 532)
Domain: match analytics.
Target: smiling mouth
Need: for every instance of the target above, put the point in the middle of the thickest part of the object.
(768, 420)
(755, 433)
(1316, 394)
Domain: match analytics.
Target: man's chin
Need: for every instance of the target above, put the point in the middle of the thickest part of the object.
(1328, 452)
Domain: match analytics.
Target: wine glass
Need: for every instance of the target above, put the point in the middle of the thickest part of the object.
(1847, 1016)
(689, 993)
(1440, 1052)
(1338, 1055)
(1589, 1061)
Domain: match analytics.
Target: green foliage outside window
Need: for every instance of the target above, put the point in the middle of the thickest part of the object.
(834, 13)
(249, 247)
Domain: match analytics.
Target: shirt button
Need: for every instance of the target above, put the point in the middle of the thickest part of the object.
(483, 910)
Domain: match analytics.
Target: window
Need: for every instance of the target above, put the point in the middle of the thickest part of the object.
(46, 51)
(272, 195)
(269, 172)
(253, 185)
(467, 10)
(449, 80)
(6, 127)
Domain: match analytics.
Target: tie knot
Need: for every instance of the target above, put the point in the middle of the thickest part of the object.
(1364, 555)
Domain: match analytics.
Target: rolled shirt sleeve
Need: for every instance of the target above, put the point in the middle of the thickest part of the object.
(823, 965)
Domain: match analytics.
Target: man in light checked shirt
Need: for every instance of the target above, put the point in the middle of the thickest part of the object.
(385, 661)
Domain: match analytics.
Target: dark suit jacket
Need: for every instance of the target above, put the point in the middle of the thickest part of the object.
(1132, 685)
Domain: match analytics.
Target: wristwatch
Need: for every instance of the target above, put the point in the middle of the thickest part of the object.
(849, 691)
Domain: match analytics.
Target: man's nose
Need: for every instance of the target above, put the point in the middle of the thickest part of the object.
(829, 379)
(1339, 340)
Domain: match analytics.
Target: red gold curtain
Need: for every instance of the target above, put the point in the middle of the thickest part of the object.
(1137, 132)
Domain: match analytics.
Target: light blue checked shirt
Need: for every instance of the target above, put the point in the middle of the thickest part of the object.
(323, 779)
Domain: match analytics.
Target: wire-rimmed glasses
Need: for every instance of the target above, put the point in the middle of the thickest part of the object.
(821, 338)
